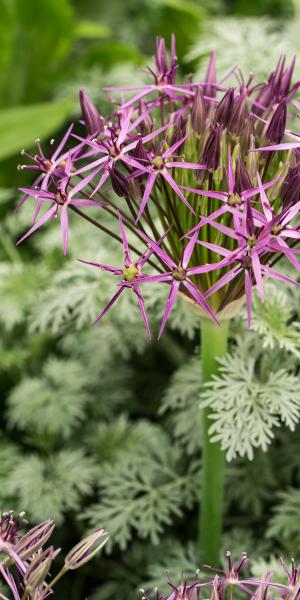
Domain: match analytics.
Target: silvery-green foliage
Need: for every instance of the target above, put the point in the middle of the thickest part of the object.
(273, 320)
(181, 401)
(247, 406)
(53, 485)
(53, 403)
(243, 42)
(143, 492)
(285, 522)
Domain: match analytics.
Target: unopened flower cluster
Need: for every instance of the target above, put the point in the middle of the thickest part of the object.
(201, 181)
(25, 563)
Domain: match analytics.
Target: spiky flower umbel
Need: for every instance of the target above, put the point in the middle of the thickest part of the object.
(223, 583)
(185, 159)
(25, 563)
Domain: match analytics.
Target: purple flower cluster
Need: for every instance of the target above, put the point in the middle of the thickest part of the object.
(198, 172)
(224, 582)
(25, 563)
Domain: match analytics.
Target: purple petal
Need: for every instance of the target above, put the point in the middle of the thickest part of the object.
(148, 189)
(127, 260)
(223, 281)
(248, 290)
(200, 299)
(46, 216)
(86, 202)
(264, 200)
(258, 274)
(160, 253)
(109, 305)
(187, 253)
(231, 180)
(270, 272)
(102, 267)
(172, 149)
(124, 128)
(101, 181)
(142, 308)
(185, 165)
(218, 195)
(95, 163)
(176, 189)
(64, 224)
(61, 144)
(283, 146)
(169, 306)
(216, 248)
(81, 184)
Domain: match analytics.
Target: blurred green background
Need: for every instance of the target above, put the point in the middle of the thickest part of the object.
(97, 426)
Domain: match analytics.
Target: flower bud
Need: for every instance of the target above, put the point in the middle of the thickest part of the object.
(198, 112)
(224, 109)
(34, 539)
(93, 120)
(86, 549)
(276, 128)
(291, 188)
(38, 569)
(211, 152)
(239, 114)
(119, 183)
(242, 178)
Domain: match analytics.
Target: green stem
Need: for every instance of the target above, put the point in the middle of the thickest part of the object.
(213, 345)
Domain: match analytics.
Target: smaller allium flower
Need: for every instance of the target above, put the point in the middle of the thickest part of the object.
(61, 199)
(50, 168)
(130, 272)
(180, 275)
(160, 164)
(25, 564)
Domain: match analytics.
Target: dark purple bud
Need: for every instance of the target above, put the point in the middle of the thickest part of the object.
(198, 112)
(242, 178)
(140, 152)
(179, 132)
(290, 193)
(160, 55)
(210, 80)
(276, 128)
(247, 134)
(119, 183)
(239, 114)
(93, 120)
(211, 152)
(224, 110)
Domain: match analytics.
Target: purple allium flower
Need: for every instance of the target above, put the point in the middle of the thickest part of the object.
(191, 160)
(60, 201)
(130, 274)
(180, 274)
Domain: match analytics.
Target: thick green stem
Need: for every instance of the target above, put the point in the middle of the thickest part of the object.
(213, 345)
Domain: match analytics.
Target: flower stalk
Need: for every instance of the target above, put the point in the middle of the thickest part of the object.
(214, 341)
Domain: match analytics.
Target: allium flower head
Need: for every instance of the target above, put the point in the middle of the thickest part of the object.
(205, 176)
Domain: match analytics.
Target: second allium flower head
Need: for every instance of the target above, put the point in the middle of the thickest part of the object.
(198, 172)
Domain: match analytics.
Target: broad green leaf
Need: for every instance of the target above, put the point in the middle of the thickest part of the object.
(86, 29)
(38, 39)
(108, 53)
(21, 125)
